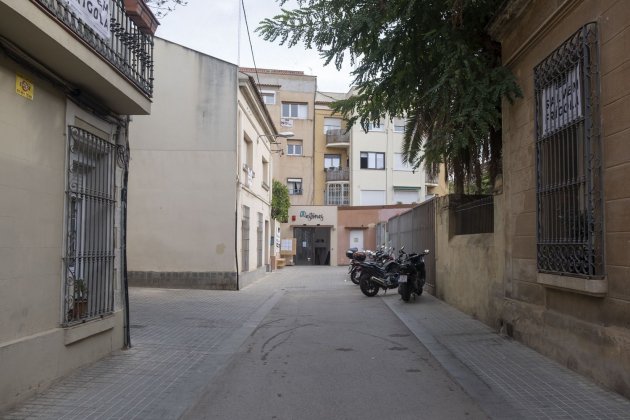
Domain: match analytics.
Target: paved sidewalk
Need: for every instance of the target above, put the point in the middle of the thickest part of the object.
(182, 339)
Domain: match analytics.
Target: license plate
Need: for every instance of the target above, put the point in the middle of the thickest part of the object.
(402, 278)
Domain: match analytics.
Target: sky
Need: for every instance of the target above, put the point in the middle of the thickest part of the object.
(212, 27)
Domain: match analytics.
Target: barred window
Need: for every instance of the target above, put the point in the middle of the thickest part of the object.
(259, 241)
(89, 249)
(245, 239)
(338, 194)
(568, 164)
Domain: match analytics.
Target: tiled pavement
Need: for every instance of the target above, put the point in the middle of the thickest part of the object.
(183, 337)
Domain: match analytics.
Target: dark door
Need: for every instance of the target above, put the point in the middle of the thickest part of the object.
(305, 244)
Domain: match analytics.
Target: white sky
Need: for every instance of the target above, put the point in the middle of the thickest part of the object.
(212, 26)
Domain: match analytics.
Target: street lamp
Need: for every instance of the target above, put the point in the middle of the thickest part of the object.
(283, 134)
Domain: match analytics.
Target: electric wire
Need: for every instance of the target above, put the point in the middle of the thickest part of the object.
(251, 47)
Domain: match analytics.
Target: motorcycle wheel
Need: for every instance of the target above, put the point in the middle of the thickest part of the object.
(420, 286)
(405, 292)
(368, 287)
(355, 274)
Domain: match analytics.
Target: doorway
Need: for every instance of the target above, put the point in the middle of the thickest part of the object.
(313, 245)
(356, 239)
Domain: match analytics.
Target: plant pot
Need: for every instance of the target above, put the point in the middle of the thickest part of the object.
(80, 309)
(141, 15)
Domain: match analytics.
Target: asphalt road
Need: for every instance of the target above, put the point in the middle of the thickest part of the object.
(332, 353)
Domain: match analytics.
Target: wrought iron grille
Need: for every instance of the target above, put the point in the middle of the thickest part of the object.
(245, 238)
(338, 194)
(568, 163)
(259, 241)
(90, 204)
(128, 49)
(476, 216)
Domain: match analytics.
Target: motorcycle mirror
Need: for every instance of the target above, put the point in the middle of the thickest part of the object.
(426, 251)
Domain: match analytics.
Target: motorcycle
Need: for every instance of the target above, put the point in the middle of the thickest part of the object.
(376, 275)
(354, 269)
(412, 275)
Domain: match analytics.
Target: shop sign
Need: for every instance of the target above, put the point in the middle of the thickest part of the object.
(561, 102)
(311, 216)
(94, 13)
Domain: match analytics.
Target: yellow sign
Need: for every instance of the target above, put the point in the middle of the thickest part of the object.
(24, 87)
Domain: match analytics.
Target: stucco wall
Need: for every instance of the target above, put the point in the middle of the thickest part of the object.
(182, 190)
(34, 349)
(587, 333)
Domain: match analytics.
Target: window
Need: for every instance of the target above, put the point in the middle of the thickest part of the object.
(399, 165)
(295, 186)
(405, 196)
(294, 147)
(259, 241)
(90, 208)
(332, 161)
(376, 126)
(568, 161)
(372, 197)
(338, 194)
(269, 97)
(294, 110)
(265, 174)
(332, 125)
(372, 160)
(245, 239)
(399, 125)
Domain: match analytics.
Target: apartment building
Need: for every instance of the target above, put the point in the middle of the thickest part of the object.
(199, 189)
(68, 82)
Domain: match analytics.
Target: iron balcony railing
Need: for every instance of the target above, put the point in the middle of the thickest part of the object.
(431, 178)
(337, 174)
(129, 49)
(337, 136)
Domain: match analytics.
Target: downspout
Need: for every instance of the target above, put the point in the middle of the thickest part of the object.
(123, 156)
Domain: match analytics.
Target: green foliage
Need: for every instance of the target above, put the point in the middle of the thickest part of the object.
(280, 202)
(432, 61)
(161, 8)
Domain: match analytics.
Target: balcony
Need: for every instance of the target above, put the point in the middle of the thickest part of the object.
(431, 179)
(337, 174)
(337, 138)
(53, 35)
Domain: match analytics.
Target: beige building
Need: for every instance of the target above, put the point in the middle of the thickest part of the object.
(290, 99)
(200, 187)
(67, 85)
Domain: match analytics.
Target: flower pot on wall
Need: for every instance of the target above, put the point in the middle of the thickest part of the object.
(141, 15)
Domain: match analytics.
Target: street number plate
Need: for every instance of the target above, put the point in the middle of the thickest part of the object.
(402, 278)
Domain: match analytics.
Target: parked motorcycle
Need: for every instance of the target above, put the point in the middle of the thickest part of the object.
(354, 269)
(412, 275)
(377, 275)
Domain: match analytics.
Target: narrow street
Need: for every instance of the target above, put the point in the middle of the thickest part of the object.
(303, 343)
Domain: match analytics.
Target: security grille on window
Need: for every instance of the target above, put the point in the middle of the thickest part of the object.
(259, 241)
(294, 110)
(245, 239)
(90, 204)
(337, 194)
(295, 186)
(568, 164)
(294, 147)
(372, 160)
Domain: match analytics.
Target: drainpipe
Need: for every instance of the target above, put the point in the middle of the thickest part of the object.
(123, 156)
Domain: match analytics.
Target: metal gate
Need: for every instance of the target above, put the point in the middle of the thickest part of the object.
(415, 230)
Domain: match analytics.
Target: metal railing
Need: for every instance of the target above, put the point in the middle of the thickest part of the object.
(337, 136)
(476, 216)
(129, 50)
(337, 174)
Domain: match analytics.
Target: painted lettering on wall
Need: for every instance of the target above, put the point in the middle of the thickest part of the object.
(561, 102)
(95, 13)
(311, 216)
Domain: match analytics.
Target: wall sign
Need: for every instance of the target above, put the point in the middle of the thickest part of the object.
(311, 216)
(561, 101)
(95, 13)
(24, 87)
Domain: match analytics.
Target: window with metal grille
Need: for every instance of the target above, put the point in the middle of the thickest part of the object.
(568, 164)
(89, 245)
(245, 239)
(337, 194)
(259, 241)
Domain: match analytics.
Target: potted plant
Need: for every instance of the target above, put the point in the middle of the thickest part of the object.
(140, 14)
(80, 299)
